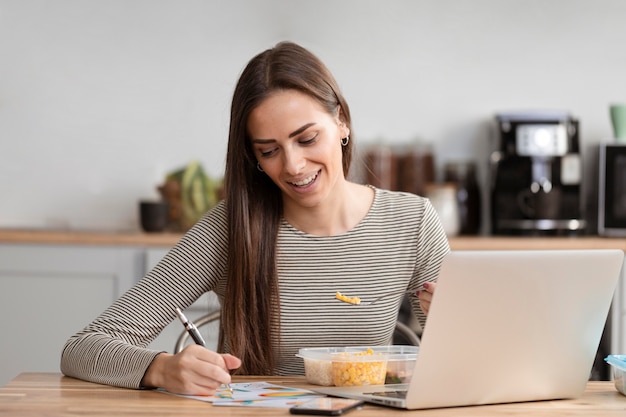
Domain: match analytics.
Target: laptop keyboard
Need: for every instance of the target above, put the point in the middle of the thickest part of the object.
(391, 394)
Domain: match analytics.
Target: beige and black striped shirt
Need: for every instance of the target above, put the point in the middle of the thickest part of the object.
(399, 245)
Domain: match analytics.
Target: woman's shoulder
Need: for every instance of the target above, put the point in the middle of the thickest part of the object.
(399, 208)
(214, 222)
(410, 212)
(399, 200)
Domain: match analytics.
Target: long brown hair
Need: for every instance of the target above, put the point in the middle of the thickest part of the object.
(251, 308)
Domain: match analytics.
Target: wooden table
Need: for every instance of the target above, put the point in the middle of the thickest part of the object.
(51, 394)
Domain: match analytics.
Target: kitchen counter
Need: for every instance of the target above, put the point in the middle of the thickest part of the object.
(65, 237)
(137, 238)
(515, 242)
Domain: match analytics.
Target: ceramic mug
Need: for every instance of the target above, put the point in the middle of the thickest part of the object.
(618, 119)
(540, 205)
(153, 215)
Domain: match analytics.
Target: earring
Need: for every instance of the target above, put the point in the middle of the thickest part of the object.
(258, 166)
(345, 141)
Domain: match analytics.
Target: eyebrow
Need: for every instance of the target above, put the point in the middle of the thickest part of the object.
(292, 134)
(300, 130)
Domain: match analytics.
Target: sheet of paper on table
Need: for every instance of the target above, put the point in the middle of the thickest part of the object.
(256, 394)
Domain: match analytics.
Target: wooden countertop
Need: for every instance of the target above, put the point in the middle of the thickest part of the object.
(137, 238)
(65, 237)
(509, 243)
(51, 394)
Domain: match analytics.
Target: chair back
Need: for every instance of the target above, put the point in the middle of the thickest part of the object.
(401, 330)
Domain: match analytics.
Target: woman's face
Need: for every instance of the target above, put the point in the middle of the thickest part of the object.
(298, 145)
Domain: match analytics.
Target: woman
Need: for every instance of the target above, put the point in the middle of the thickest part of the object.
(291, 232)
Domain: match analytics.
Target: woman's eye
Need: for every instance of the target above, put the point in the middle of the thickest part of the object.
(268, 153)
(309, 140)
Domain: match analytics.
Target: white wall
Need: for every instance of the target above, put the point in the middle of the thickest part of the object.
(99, 99)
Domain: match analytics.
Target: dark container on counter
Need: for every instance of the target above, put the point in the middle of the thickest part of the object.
(416, 169)
(381, 166)
(463, 174)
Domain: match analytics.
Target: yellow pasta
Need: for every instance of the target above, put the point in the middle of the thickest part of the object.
(347, 373)
(346, 299)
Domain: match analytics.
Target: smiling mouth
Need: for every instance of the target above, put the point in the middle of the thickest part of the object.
(305, 181)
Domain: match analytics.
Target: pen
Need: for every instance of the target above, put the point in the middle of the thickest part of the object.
(195, 334)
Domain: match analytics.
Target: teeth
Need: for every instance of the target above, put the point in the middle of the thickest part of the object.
(305, 181)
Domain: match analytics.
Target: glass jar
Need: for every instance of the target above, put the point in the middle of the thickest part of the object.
(416, 169)
(443, 199)
(381, 167)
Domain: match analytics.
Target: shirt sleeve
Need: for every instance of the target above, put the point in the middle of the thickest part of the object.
(113, 349)
(432, 247)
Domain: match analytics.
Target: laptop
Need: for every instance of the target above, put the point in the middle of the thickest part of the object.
(507, 326)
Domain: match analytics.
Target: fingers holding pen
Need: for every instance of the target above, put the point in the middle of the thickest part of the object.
(207, 367)
(197, 371)
(231, 362)
(212, 365)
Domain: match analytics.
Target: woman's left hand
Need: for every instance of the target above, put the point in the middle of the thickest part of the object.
(426, 296)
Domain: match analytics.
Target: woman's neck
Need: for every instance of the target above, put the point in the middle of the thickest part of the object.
(338, 214)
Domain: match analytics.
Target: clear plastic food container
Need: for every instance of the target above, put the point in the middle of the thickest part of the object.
(358, 365)
(618, 363)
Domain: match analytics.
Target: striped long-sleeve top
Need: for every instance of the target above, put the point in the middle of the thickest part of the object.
(398, 246)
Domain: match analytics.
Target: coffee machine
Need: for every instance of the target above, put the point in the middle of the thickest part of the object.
(536, 173)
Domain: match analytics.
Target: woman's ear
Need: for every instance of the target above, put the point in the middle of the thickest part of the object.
(344, 129)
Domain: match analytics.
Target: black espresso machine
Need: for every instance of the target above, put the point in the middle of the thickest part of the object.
(536, 173)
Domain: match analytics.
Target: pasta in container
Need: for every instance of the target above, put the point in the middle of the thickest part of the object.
(359, 365)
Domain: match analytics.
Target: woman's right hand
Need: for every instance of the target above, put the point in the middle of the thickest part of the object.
(193, 371)
(426, 296)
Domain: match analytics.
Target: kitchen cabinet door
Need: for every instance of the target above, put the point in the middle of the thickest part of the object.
(48, 292)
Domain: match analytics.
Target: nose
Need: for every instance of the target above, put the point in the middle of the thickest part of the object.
(293, 161)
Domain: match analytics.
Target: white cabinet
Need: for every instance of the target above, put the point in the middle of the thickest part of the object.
(48, 292)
